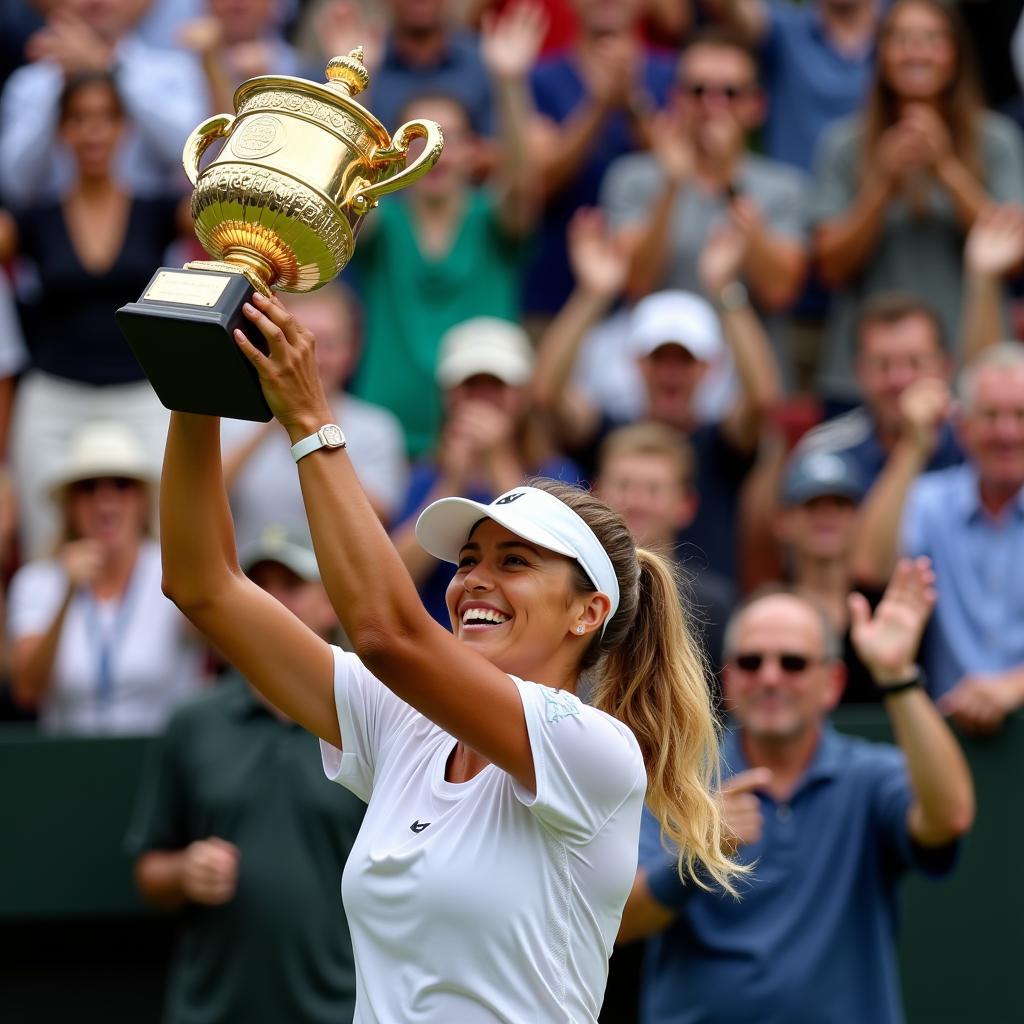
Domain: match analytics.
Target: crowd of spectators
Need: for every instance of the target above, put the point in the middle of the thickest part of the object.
(748, 268)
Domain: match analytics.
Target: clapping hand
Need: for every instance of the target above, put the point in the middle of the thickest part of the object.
(722, 257)
(599, 262)
(69, 40)
(887, 641)
(924, 406)
(342, 25)
(995, 243)
(510, 41)
(672, 147)
(82, 561)
(210, 871)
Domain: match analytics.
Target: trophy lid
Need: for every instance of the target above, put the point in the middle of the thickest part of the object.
(347, 74)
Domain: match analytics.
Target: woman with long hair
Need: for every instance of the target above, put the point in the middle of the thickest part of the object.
(900, 184)
(90, 253)
(500, 837)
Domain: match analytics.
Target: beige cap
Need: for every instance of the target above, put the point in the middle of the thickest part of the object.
(102, 449)
(487, 345)
(676, 318)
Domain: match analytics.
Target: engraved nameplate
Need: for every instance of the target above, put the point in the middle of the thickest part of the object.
(193, 288)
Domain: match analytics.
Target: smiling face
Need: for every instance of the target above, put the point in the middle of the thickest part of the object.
(671, 374)
(793, 686)
(648, 491)
(91, 126)
(518, 605)
(992, 429)
(917, 52)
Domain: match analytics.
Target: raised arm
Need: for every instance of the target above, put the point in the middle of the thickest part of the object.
(925, 404)
(942, 808)
(371, 592)
(994, 249)
(509, 45)
(600, 268)
(748, 17)
(280, 656)
(756, 367)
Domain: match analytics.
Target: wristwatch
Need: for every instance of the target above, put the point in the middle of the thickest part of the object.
(914, 681)
(732, 297)
(328, 436)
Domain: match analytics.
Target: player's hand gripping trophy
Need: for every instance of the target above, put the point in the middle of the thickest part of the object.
(278, 208)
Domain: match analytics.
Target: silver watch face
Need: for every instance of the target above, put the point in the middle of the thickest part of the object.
(332, 436)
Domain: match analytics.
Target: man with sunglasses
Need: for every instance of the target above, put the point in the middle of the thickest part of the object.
(700, 180)
(828, 823)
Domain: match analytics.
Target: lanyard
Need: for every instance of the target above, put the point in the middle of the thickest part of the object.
(108, 636)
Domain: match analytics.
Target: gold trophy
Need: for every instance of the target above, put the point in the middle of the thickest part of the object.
(278, 208)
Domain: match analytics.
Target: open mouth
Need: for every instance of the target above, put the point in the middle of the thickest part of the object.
(483, 619)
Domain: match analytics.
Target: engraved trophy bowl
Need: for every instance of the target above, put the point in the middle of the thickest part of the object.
(300, 165)
(278, 207)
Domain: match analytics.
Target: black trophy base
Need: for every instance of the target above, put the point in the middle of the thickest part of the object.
(181, 332)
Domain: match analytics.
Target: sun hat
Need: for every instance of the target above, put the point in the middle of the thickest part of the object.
(485, 344)
(675, 318)
(538, 517)
(817, 474)
(102, 449)
(288, 547)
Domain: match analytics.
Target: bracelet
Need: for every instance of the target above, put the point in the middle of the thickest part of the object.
(914, 682)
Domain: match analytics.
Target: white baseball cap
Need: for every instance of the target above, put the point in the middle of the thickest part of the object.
(538, 517)
(485, 344)
(676, 318)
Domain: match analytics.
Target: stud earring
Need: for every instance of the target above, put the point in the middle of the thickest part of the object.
(579, 629)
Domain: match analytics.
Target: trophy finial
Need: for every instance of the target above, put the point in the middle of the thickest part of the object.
(348, 73)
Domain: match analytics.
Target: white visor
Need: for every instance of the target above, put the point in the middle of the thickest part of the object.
(538, 517)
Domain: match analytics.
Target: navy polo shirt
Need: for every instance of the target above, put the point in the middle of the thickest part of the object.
(459, 72)
(810, 83)
(813, 938)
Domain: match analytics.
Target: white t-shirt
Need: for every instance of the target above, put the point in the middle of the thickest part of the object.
(480, 902)
(267, 492)
(152, 664)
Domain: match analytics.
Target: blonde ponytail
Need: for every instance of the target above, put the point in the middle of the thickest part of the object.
(651, 675)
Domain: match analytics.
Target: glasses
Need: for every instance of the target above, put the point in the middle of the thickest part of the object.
(91, 486)
(700, 90)
(791, 664)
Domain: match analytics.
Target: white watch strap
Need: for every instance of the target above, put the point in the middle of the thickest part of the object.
(329, 436)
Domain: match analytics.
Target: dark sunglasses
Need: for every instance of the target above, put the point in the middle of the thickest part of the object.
(698, 90)
(119, 483)
(791, 664)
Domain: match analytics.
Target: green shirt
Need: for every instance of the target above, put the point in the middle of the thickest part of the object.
(411, 299)
(280, 950)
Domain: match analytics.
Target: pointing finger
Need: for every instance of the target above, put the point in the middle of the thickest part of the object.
(749, 781)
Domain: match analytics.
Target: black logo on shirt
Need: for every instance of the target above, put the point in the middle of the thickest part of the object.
(509, 498)
(419, 826)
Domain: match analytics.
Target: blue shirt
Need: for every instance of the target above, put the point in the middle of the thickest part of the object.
(459, 72)
(978, 623)
(809, 82)
(421, 482)
(854, 436)
(558, 90)
(813, 939)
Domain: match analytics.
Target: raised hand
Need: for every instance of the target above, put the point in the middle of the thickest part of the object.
(722, 257)
(599, 262)
(611, 77)
(901, 149)
(210, 871)
(342, 25)
(510, 41)
(82, 561)
(672, 147)
(69, 40)
(289, 374)
(202, 35)
(887, 641)
(924, 406)
(995, 243)
(741, 810)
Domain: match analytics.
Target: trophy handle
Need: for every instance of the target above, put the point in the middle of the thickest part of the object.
(365, 198)
(210, 130)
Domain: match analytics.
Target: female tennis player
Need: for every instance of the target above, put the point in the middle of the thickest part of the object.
(503, 814)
